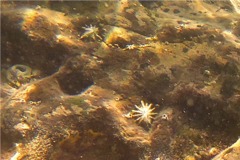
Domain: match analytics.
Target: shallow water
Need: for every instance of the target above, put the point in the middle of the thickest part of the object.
(120, 80)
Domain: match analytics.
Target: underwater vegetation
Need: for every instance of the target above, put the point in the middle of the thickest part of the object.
(125, 80)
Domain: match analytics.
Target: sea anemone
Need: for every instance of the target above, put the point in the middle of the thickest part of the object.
(91, 32)
(144, 112)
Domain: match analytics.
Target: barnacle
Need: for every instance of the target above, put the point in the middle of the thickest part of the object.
(91, 32)
(20, 74)
(144, 112)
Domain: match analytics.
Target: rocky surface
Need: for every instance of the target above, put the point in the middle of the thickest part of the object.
(74, 73)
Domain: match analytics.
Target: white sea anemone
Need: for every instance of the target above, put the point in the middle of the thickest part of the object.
(91, 32)
(144, 112)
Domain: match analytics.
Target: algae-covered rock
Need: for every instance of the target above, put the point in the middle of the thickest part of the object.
(230, 153)
(120, 80)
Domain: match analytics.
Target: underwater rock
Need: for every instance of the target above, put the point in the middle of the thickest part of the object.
(232, 152)
(180, 62)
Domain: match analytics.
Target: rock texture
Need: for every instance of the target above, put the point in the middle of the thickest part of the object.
(89, 64)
